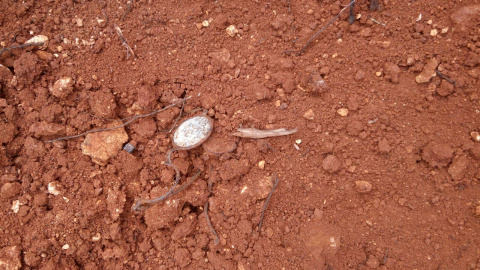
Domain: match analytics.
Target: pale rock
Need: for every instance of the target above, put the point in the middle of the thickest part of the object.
(62, 87)
(101, 146)
(342, 112)
(309, 114)
(428, 71)
(231, 30)
(38, 39)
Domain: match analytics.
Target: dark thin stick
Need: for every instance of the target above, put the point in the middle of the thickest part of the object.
(184, 186)
(319, 31)
(129, 7)
(351, 15)
(217, 239)
(116, 127)
(124, 42)
(144, 204)
(445, 77)
(266, 202)
(6, 49)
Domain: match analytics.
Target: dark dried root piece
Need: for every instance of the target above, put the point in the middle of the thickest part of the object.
(142, 204)
(445, 77)
(320, 31)
(266, 202)
(6, 49)
(215, 235)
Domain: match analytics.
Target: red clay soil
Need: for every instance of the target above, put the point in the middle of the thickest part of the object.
(383, 172)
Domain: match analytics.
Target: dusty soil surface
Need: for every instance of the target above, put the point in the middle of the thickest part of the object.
(383, 172)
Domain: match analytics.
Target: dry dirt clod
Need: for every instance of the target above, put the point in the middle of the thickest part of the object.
(5, 74)
(458, 168)
(101, 146)
(465, 14)
(392, 72)
(428, 71)
(10, 258)
(437, 154)
(331, 164)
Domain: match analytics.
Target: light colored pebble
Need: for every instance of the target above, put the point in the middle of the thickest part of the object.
(342, 112)
(231, 30)
(53, 188)
(475, 136)
(309, 114)
(15, 206)
(38, 39)
(66, 246)
(261, 164)
(433, 32)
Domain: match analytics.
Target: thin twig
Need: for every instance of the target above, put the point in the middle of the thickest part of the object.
(445, 77)
(142, 204)
(217, 239)
(184, 186)
(266, 202)
(124, 42)
(319, 31)
(129, 7)
(116, 127)
(6, 49)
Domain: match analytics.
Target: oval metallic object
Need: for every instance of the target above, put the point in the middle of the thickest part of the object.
(192, 132)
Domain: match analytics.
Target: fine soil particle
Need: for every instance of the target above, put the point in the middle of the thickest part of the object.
(382, 173)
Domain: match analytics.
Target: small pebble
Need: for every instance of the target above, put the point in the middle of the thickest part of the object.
(231, 30)
(475, 136)
(298, 141)
(433, 32)
(363, 186)
(342, 112)
(309, 114)
(129, 147)
(261, 164)
(53, 188)
(38, 39)
(205, 23)
(66, 246)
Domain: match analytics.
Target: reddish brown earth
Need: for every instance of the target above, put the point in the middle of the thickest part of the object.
(391, 184)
